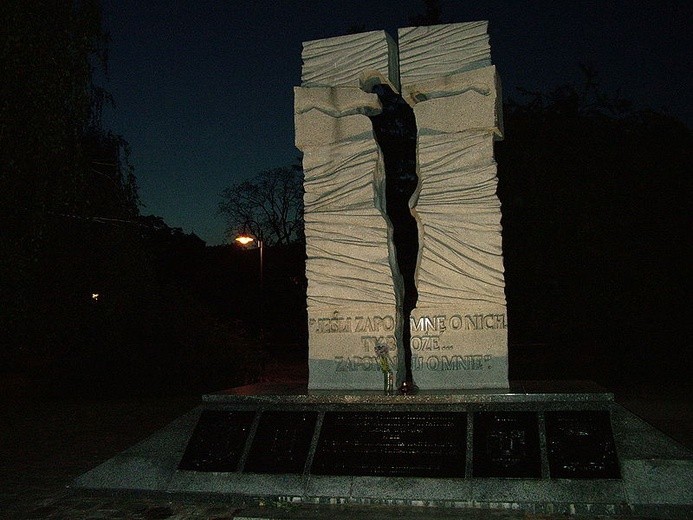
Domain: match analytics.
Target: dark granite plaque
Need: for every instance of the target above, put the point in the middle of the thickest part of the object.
(581, 445)
(281, 442)
(506, 445)
(412, 444)
(217, 441)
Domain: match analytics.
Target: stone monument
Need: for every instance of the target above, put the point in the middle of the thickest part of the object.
(427, 281)
(404, 255)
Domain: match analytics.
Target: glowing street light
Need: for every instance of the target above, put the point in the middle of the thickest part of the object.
(244, 240)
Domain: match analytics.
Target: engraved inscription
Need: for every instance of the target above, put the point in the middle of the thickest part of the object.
(396, 444)
(581, 445)
(436, 340)
(506, 445)
(336, 323)
(433, 362)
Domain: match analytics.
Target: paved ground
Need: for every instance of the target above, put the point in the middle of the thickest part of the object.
(45, 443)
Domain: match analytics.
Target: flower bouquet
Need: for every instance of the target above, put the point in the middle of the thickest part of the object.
(381, 351)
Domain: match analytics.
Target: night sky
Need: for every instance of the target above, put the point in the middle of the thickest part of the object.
(204, 88)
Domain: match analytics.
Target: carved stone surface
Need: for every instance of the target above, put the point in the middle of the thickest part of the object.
(466, 101)
(346, 235)
(348, 270)
(461, 261)
(433, 51)
(459, 325)
(315, 128)
(324, 116)
(333, 62)
(347, 263)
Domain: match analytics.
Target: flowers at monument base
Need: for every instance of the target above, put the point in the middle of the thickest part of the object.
(381, 352)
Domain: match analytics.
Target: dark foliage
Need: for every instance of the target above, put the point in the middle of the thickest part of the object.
(431, 15)
(274, 309)
(596, 234)
(95, 298)
(59, 169)
(152, 328)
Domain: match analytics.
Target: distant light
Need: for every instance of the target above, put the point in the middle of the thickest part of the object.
(244, 240)
(95, 296)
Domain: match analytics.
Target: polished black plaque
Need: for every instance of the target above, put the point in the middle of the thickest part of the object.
(281, 442)
(506, 445)
(581, 445)
(217, 441)
(411, 444)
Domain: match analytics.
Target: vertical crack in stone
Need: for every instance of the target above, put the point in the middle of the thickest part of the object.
(395, 132)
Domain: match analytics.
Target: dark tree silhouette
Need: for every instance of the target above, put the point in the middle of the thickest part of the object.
(596, 232)
(50, 116)
(431, 15)
(269, 206)
(61, 172)
(93, 295)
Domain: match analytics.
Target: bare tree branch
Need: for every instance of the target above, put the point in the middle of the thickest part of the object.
(270, 206)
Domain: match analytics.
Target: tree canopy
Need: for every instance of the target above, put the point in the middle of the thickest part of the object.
(65, 182)
(268, 206)
(432, 14)
(52, 146)
(94, 295)
(596, 230)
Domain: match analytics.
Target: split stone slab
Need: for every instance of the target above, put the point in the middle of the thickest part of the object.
(339, 61)
(466, 101)
(430, 52)
(352, 277)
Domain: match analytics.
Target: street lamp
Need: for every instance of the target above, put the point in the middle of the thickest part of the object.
(247, 241)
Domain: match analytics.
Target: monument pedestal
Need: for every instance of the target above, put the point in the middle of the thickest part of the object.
(539, 447)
